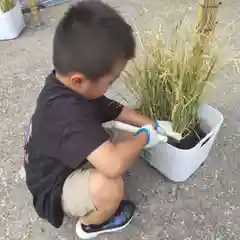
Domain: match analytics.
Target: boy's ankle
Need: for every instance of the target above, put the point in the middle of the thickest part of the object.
(83, 222)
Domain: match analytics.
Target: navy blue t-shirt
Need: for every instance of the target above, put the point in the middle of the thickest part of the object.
(66, 128)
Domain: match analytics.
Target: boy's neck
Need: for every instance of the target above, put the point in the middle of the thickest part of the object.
(65, 81)
(62, 79)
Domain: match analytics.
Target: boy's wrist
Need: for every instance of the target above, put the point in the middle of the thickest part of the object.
(143, 137)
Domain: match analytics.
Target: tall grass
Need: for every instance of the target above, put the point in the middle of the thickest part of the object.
(6, 5)
(171, 73)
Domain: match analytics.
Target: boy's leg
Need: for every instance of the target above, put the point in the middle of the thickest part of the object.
(97, 201)
(106, 195)
(91, 197)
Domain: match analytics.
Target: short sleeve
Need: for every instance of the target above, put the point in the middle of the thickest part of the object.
(80, 139)
(108, 109)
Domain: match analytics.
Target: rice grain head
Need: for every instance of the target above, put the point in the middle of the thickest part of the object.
(171, 73)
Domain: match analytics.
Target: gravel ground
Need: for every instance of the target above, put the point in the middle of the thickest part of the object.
(206, 207)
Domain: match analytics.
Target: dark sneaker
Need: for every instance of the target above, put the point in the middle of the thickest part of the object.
(117, 222)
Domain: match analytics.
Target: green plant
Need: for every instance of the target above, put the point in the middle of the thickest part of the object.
(170, 75)
(6, 5)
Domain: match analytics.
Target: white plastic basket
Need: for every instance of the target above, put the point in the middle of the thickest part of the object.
(11, 23)
(178, 164)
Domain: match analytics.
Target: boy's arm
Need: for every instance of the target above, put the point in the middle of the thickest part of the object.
(108, 109)
(85, 138)
(112, 110)
(134, 118)
(114, 160)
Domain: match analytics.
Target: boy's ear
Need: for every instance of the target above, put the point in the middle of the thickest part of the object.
(77, 79)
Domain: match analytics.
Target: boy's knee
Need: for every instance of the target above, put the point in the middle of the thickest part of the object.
(106, 190)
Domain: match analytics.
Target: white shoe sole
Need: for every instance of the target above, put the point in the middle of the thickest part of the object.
(84, 235)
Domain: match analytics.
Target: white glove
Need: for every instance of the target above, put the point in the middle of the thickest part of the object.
(165, 128)
(153, 137)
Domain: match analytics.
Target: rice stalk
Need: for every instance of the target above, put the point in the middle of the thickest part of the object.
(6, 5)
(171, 74)
(35, 12)
(207, 14)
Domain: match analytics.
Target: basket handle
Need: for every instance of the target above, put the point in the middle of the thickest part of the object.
(208, 137)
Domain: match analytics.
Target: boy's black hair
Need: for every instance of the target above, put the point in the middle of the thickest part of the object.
(90, 38)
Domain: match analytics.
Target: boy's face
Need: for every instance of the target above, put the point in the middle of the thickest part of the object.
(93, 90)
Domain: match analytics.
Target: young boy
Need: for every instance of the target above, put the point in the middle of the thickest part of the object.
(72, 168)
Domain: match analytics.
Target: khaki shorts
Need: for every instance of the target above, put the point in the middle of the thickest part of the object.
(76, 199)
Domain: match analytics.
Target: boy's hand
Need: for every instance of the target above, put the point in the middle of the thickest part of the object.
(153, 137)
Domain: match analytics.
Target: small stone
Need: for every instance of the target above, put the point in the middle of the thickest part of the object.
(22, 173)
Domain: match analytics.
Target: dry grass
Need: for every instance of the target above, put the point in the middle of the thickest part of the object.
(171, 73)
(6, 5)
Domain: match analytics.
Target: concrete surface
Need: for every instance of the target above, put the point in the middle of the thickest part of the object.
(206, 207)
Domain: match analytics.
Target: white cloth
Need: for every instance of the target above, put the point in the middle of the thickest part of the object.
(165, 128)
(154, 138)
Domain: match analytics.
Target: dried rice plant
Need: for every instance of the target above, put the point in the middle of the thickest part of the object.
(170, 75)
(36, 16)
(207, 15)
(6, 5)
